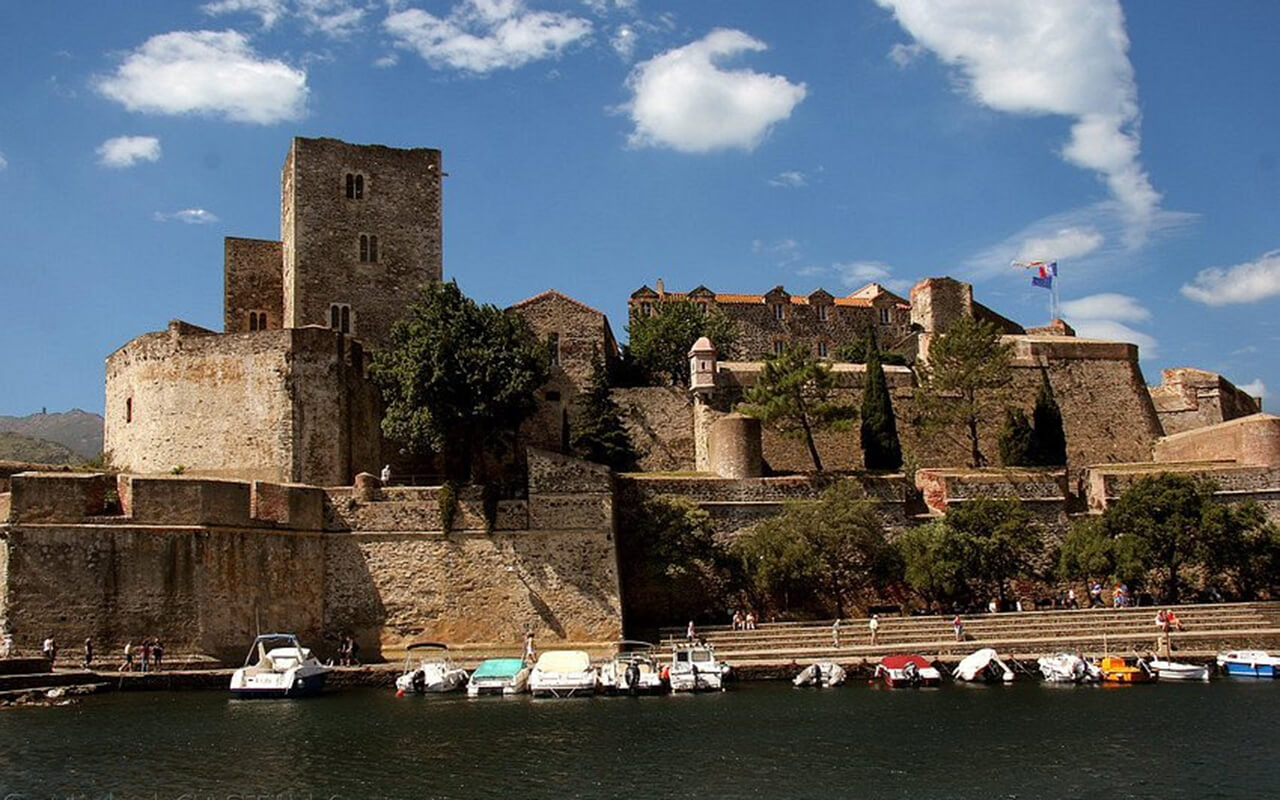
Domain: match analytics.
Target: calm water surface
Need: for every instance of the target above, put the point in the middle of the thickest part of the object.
(756, 740)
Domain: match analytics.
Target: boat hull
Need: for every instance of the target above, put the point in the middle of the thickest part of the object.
(1173, 671)
(1242, 670)
(301, 686)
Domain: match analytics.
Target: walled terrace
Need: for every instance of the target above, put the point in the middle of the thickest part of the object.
(204, 563)
(1023, 635)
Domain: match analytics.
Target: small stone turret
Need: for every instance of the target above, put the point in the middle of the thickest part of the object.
(702, 366)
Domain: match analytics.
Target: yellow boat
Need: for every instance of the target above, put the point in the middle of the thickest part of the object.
(1117, 670)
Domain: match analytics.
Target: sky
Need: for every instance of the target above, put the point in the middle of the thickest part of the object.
(593, 146)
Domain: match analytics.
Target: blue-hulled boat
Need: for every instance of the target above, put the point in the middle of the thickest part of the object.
(278, 666)
(1249, 663)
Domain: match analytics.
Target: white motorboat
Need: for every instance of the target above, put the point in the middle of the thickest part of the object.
(823, 673)
(632, 670)
(1068, 668)
(1250, 663)
(499, 676)
(1177, 671)
(983, 666)
(428, 668)
(278, 666)
(694, 668)
(563, 673)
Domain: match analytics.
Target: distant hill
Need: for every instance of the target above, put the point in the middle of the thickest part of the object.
(16, 447)
(78, 431)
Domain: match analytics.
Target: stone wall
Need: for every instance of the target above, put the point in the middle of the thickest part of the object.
(1254, 439)
(1187, 399)
(203, 564)
(280, 405)
(321, 229)
(943, 488)
(659, 420)
(1107, 483)
(252, 281)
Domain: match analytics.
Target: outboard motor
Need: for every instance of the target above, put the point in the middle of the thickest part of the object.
(912, 673)
(633, 678)
(419, 682)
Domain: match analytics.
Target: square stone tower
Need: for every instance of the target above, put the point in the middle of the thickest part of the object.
(360, 229)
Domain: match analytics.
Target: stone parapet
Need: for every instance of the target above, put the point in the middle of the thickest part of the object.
(184, 501)
(942, 488)
(1254, 440)
(709, 489)
(288, 505)
(58, 497)
(1107, 482)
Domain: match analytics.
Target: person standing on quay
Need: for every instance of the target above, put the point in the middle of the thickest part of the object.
(6, 645)
(528, 646)
(835, 633)
(50, 650)
(157, 652)
(127, 664)
(873, 625)
(88, 652)
(145, 647)
(957, 625)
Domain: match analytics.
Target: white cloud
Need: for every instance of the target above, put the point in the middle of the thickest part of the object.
(905, 54)
(125, 151)
(681, 99)
(623, 42)
(191, 216)
(856, 274)
(1107, 305)
(1066, 243)
(207, 72)
(481, 36)
(1066, 58)
(602, 7)
(1244, 283)
(791, 179)
(4, 162)
(1103, 316)
(1254, 388)
(269, 11)
(785, 251)
(387, 61)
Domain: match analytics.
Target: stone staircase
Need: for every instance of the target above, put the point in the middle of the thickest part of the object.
(1206, 630)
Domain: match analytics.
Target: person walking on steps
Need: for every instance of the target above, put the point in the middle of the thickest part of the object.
(835, 633)
(873, 625)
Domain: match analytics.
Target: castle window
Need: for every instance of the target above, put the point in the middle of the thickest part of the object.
(645, 309)
(355, 186)
(553, 396)
(553, 342)
(340, 317)
(778, 347)
(368, 249)
(822, 313)
(257, 320)
(779, 311)
(884, 316)
(822, 349)
(128, 410)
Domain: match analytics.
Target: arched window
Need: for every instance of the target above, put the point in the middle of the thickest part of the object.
(373, 249)
(368, 249)
(359, 187)
(346, 319)
(340, 317)
(355, 186)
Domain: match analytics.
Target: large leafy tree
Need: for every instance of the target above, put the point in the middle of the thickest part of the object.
(600, 434)
(829, 550)
(933, 564)
(1243, 546)
(878, 432)
(1049, 440)
(1089, 551)
(457, 378)
(998, 538)
(965, 380)
(659, 343)
(795, 395)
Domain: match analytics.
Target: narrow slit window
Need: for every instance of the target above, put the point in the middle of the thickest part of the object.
(364, 248)
(128, 410)
(359, 187)
(346, 319)
(335, 317)
(351, 186)
(778, 311)
(373, 249)
(778, 347)
(884, 316)
(822, 349)
(554, 345)
(822, 313)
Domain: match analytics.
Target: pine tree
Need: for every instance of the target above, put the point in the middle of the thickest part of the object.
(1049, 441)
(1017, 440)
(795, 395)
(881, 449)
(601, 436)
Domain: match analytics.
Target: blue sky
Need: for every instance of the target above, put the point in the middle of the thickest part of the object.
(594, 146)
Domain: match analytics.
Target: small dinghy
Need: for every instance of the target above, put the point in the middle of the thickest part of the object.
(1249, 663)
(1177, 671)
(1068, 668)
(907, 670)
(824, 673)
(428, 669)
(1116, 670)
(983, 666)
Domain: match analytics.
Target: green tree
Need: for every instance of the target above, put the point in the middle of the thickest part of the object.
(932, 563)
(659, 343)
(1243, 546)
(601, 435)
(878, 432)
(830, 550)
(457, 378)
(1049, 440)
(1171, 519)
(795, 395)
(855, 352)
(998, 539)
(966, 378)
(1017, 440)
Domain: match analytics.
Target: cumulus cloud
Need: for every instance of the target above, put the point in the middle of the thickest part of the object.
(1066, 58)
(856, 274)
(1255, 388)
(269, 11)
(207, 72)
(481, 36)
(682, 99)
(1103, 316)
(1244, 283)
(191, 216)
(784, 251)
(125, 151)
(791, 179)
(1066, 243)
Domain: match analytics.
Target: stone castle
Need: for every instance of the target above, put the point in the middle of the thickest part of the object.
(272, 422)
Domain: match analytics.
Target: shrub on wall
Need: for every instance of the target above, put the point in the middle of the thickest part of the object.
(448, 505)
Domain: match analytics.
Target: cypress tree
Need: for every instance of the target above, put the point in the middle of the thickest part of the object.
(601, 436)
(881, 449)
(1017, 440)
(1049, 441)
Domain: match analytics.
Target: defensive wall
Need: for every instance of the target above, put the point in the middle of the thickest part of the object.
(203, 563)
(284, 405)
(1193, 398)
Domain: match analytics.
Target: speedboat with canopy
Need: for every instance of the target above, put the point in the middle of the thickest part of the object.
(563, 673)
(632, 670)
(499, 676)
(278, 666)
(428, 668)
